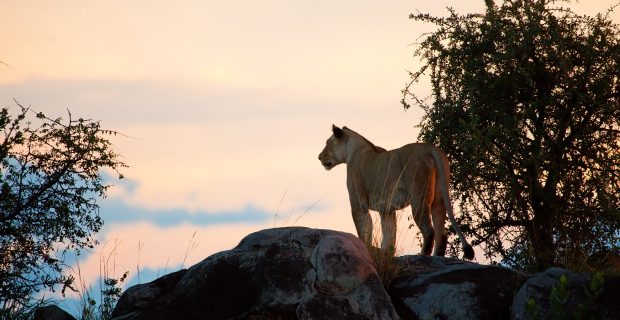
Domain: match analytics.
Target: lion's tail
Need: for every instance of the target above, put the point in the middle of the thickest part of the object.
(444, 182)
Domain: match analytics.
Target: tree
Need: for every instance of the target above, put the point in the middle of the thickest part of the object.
(50, 181)
(526, 103)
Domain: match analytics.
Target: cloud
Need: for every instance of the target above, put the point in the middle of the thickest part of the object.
(123, 102)
(117, 211)
(120, 103)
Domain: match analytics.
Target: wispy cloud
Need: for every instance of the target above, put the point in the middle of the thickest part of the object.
(117, 211)
(131, 102)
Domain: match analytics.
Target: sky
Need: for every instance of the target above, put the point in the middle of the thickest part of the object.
(224, 107)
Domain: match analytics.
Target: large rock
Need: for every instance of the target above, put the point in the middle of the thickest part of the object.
(442, 288)
(285, 273)
(52, 312)
(577, 300)
(146, 296)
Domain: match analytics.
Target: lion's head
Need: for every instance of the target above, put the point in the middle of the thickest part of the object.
(335, 151)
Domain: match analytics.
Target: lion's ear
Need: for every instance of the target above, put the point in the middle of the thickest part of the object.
(337, 132)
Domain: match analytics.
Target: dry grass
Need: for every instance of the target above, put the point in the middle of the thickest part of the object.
(385, 259)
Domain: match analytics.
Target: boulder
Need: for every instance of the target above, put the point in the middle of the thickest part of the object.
(52, 312)
(577, 298)
(283, 273)
(144, 296)
(431, 287)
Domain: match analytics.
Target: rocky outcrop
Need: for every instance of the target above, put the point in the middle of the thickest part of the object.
(442, 288)
(301, 273)
(286, 273)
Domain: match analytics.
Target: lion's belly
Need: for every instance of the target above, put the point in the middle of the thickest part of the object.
(389, 201)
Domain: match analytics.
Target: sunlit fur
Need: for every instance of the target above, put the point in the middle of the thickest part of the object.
(416, 174)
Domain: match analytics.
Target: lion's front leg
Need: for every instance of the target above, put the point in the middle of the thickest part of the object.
(363, 222)
(388, 230)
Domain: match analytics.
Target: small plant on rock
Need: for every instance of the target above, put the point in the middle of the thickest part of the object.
(560, 296)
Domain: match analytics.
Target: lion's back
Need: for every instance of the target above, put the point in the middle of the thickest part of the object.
(417, 153)
(387, 168)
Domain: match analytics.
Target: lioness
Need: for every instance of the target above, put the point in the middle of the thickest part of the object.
(416, 174)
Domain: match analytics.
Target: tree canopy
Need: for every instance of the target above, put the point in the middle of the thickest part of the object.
(526, 103)
(50, 182)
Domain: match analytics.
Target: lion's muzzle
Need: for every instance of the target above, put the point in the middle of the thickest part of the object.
(327, 163)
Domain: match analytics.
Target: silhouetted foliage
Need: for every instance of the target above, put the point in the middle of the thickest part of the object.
(526, 103)
(50, 181)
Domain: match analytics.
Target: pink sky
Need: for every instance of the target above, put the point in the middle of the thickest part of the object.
(228, 105)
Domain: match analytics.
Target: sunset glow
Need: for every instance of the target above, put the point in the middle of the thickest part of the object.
(223, 107)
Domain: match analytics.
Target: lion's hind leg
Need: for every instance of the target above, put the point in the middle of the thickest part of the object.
(421, 216)
(438, 212)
